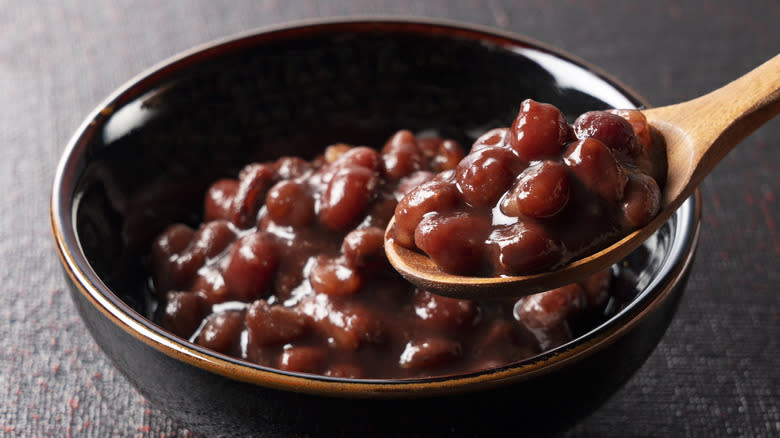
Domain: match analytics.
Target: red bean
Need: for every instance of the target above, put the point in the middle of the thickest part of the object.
(250, 269)
(239, 200)
(541, 190)
(170, 269)
(445, 176)
(401, 156)
(274, 324)
(267, 171)
(254, 182)
(434, 195)
(222, 331)
(363, 246)
(355, 326)
(360, 156)
(524, 247)
(612, 130)
(409, 182)
(346, 198)
(219, 200)
(539, 131)
(495, 137)
(331, 277)
(593, 164)
(347, 326)
(302, 359)
(551, 308)
(641, 201)
(185, 267)
(443, 313)
(546, 314)
(429, 353)
(638, 123)
(441, 154)
(175, 239)
(211, 284)
(652, 160)
(290, 203)
(179, 269)
(361, 325)
(291, 167)
(449, 155)
(483, 176)
(184, 312)
(454, 242)
(429, 145)
(213, 237)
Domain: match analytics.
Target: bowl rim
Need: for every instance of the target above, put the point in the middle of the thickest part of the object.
(99, 295)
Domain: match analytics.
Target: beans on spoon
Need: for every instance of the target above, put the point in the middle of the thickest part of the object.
(698, 134)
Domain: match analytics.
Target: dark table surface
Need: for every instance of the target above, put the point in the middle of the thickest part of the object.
(715, 374)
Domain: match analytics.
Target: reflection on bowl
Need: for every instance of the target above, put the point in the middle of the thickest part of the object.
(144, 158)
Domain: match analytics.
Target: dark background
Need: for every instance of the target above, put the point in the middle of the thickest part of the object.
(715, 374)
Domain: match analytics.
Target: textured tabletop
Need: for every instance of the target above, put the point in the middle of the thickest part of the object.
(715, 373)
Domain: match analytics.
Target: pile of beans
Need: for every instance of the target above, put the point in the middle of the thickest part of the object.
(288, 270)
(539, 194)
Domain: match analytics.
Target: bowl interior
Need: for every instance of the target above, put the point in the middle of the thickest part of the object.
(148, 154)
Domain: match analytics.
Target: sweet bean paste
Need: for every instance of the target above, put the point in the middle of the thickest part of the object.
(288, 269)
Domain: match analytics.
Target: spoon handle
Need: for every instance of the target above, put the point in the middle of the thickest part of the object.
(707, 128)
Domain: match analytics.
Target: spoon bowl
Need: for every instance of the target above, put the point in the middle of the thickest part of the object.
(699, 133)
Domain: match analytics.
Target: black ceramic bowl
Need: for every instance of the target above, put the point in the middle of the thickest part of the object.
(144, 157)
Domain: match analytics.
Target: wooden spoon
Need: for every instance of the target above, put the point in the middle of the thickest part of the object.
(698, 133)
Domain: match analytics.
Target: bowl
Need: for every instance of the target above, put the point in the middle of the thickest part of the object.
(145, 156)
